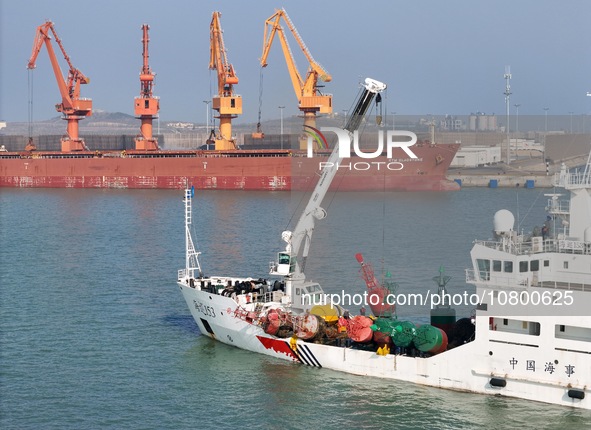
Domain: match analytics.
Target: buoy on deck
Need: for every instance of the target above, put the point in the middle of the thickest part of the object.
(308, 326)
(404, 333)
(378, 293)
(443, 315)
(443, 318)
(430, 339)
(329, 313)
(273, 322)
(360, 329)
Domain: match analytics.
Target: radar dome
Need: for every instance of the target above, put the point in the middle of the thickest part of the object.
(503, 221)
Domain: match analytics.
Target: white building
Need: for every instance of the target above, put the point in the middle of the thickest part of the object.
(474, 156)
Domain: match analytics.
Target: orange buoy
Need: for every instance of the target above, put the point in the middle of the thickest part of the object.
(360, 329)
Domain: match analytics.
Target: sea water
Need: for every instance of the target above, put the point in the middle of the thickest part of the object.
(95, 333)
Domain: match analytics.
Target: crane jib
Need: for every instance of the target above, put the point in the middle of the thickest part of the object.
(298, 241)
(360, 110)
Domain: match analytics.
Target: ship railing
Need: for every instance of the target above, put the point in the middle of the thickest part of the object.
(186, 277)
(256, 297)
(267, 297)
(567, 246)
(493, 279)
(538, 244)
(559, 285)
(186, 274)
(515, 247)
(496, 279)
(495, 244)
(573, 180)
(558, 206)
(6, 155)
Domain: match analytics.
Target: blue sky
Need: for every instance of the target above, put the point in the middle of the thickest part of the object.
(439, 57)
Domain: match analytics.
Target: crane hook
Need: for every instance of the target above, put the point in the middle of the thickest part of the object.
(379, 106)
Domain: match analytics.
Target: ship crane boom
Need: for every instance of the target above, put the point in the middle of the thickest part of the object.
(73, 107)
(292, 261)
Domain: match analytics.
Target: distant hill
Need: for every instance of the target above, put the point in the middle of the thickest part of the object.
(97, 116)
(98, 122)
(111, 120)
(115, 117)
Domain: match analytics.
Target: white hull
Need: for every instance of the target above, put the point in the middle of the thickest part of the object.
(508, 357)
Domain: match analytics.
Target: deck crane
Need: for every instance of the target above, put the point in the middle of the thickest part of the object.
(226, 102)
(73, 107)
(310, 101)
(292, 261)
(146, 105)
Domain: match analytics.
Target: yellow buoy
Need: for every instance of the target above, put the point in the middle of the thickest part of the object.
(327, 312)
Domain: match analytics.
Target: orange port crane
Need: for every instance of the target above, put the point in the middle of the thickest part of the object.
(73, 107)
(310, 101)
(226, 102)
(146, 105)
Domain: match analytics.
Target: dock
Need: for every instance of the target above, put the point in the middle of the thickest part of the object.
(527, 173)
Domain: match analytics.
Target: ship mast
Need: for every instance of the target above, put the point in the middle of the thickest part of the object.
(191, 254)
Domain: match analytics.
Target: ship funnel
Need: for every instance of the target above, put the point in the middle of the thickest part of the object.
(503, 222)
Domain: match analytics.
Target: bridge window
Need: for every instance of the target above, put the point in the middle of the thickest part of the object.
(497, 265)
(508, 266)
(484, 269)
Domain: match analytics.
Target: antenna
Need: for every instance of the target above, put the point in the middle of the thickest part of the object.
(517, 210)
(507, 93)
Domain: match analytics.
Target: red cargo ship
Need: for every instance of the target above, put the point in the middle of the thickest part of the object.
(272, 170)
(225, 169)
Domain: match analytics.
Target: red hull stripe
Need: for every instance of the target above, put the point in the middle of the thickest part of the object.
(279, 346)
